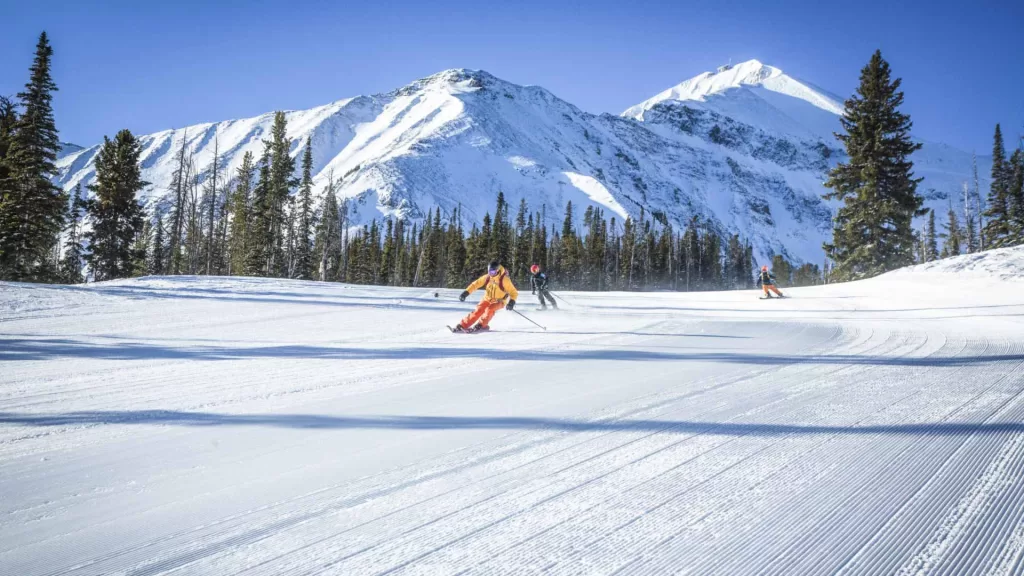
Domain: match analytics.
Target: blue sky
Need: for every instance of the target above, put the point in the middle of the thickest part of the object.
(148, 66)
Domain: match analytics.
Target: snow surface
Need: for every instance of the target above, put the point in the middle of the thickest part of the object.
(745, 149)
(221, 426)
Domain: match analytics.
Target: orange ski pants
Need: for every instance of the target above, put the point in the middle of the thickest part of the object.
(484, 312)
(771, 287)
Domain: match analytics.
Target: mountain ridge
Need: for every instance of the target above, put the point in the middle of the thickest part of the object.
(735, 149)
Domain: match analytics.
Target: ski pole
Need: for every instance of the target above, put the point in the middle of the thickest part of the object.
(559, 297)
(528, 319)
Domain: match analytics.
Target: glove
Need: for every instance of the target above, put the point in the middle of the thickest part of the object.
(464, 295)
(511, 305)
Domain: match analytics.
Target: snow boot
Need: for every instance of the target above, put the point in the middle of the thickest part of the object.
(479, 328)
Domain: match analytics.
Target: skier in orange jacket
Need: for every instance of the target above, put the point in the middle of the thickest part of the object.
(767, 282)
(499, 293)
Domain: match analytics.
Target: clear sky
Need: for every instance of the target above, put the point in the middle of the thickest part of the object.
(148, 66)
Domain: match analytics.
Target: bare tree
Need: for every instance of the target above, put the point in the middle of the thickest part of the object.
(210, 198)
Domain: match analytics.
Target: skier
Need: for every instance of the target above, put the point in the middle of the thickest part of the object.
(499, 292)
(539, 285)
(767, 282)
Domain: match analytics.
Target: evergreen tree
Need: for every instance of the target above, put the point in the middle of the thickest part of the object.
(303, 249)
(627, 256)
(210, 201)
(997, 228)
(952, 235)
(282, 180)
(74, 252)
(387, 255)
(1015, 199)
(970, 239)
(456, 249)
(782, 270)
(117, 215)
(240, 206)
(501, 238)
(158, 257)
(261, 237)
(931, 249)
(327, 245)
(32, 208)
(807, 275)
(569, 251)
(873, 230)
(429, 266)
(8, 121)
(522, 241)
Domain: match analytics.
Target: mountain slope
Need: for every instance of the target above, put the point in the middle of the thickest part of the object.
(744, 150)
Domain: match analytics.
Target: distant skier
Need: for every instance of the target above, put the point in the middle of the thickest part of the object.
(767, 282)
(539, 285)
(499, 292)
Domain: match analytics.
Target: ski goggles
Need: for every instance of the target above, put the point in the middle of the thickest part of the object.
(492, 272)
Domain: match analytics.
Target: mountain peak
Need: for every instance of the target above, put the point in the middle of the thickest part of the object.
(750, 74)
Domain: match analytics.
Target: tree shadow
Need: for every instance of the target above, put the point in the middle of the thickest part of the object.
(55, 348)
(386, 422)
(628, 333)
(146, 293)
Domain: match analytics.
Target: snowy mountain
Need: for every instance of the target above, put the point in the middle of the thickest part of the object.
(745, 148)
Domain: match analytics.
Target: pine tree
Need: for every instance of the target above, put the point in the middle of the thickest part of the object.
(521, 244)
(931, 249)
(117, 215)
(8, 121)
(952, 234)
(627, 256)
(455, 265)
(997, 228)
(210, 201)
(32, 208)
(327, 246)
(303, 249)
(158, 257)
(873, 230)
(261, 232)
(71, 262)
(569, 251)
(240, 206)
(970, 235)
(501, 238)
(1015, 199)
(282, 180)
(140, 248)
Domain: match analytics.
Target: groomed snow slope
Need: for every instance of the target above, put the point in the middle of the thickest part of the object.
(226, 426)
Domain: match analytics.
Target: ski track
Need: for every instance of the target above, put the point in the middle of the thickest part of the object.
(242, 426)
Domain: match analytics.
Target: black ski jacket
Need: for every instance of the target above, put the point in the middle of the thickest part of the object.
(764, 278)
(539, 281)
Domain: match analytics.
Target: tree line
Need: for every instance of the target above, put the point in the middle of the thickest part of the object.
(980, 224)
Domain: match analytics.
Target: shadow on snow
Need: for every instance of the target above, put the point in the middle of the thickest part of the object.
(313, 421)
(44, 349)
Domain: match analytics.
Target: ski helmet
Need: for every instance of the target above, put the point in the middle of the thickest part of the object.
(764, 268)
(534, 269)
(492, 268)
